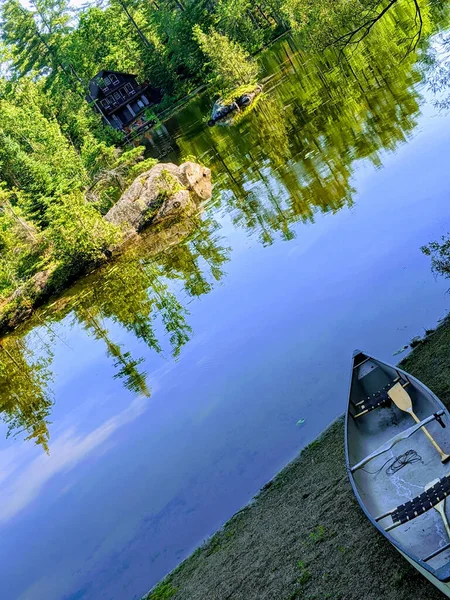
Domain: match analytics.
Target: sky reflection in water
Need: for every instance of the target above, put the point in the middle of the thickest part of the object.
(171, 383)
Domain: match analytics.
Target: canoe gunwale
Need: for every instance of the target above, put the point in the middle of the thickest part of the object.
(442, 573)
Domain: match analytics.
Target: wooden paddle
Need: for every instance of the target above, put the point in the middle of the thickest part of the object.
(440, 507)
(402, 400)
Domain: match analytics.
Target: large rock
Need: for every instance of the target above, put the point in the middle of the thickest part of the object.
(163, 192)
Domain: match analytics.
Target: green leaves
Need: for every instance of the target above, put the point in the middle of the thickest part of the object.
(38, 162)
(228, 63)
(22, 247)
(26, 400)
(78, 233)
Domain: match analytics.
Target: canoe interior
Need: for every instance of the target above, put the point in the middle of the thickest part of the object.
(380, 492)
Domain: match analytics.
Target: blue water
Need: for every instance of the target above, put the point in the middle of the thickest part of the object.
(133, 484)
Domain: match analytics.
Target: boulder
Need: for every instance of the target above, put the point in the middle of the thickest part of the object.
(163, 192)
(197, 179)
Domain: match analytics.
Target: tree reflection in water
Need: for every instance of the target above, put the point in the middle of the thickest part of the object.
(292, 156)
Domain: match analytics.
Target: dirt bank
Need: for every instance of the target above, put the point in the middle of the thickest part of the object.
(304, 536)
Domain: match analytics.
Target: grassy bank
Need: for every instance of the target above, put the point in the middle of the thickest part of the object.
(304, 536)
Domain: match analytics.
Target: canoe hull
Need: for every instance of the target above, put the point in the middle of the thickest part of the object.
(378, 492)
(443, 587)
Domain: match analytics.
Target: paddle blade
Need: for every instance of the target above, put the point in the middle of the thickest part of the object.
(400, 397)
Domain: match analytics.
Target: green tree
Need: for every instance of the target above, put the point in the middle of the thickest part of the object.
(38, 162)
(228, 63)
(78, 233)
(22, 247)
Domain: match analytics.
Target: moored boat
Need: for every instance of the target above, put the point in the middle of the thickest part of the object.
(397, 452)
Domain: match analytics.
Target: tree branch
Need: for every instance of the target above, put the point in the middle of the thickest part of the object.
(362, 31)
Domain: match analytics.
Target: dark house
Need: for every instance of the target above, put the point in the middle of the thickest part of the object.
(120, 99)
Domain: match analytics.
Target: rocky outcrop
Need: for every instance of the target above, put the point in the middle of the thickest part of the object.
(164, 192)
(19, 306)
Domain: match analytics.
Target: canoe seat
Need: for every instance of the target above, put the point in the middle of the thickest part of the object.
(380, 398)
(422, 503)
(375, 401)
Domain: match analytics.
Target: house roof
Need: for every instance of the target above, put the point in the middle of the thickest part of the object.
(94, 89)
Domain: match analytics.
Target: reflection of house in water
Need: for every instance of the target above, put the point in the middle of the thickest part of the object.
(121, 100)
(159, 142)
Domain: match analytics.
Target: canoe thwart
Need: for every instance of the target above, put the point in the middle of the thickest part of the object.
(436, 552)
(356, 365)
(403, 435)
(419, 505)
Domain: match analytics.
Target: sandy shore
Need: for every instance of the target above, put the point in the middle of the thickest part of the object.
(304, 536)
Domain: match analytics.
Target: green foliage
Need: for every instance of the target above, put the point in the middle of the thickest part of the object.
(118, 172)
(304, 573)
(25, 401)
(163, 591)
(323, 19)
(141, 167)
(236, 92)
(61, 168)
(229, 64)
(440, 255)
(318, 534)
(38, 161)
(22, 247)
(168, 185)
(154, 39)
(150, 115)
(78, 232)
(242, 23)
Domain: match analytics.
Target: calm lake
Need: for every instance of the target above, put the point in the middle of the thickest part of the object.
(175, 382)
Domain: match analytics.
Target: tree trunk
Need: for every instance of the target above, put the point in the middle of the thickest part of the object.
(134, 24)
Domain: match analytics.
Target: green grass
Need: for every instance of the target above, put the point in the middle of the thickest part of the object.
(398, 578)
(305, 573)
(429, 362)
(163, 591)
(318, 534)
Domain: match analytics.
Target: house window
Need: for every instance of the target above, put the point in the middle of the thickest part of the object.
(129, 113)
(114, 79)
(117, 97)
(122, 94)
(104, 103)
(129, 89)
(117, 121)
(106, 81)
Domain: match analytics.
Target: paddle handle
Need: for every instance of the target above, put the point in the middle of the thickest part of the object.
(441, 510)
(444, 457)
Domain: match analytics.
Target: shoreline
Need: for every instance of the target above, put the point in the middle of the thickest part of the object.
(304, 536)
(179, 204)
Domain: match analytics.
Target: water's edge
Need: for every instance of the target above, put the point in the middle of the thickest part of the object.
(303, 534)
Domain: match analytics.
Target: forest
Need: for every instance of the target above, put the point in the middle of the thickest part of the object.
(62, 168)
